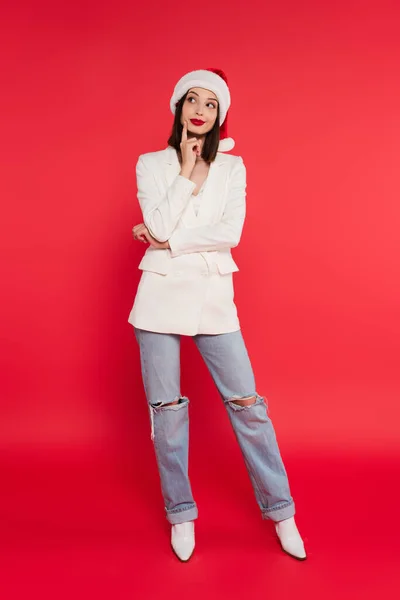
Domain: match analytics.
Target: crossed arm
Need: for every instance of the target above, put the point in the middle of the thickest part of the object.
(161, 214)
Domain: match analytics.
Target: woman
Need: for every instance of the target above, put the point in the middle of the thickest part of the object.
(192, 198)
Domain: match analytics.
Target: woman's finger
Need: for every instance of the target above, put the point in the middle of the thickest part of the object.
(138, 228)
(147, 235)
(184, 132)
(138, 234)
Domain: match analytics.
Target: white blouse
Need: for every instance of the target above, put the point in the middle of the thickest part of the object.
(196, 199)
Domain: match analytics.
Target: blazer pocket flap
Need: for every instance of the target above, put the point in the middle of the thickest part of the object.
(225, 263)
(155, 261)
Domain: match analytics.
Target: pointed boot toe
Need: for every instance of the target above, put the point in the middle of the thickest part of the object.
(182, 540)
(290, 538)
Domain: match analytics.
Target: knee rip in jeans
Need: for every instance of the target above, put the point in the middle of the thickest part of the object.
(175, 404)
(245, 402)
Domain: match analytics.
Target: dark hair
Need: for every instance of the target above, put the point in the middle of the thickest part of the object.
(211, 140)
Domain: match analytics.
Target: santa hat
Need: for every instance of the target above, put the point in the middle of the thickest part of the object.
(216, 81)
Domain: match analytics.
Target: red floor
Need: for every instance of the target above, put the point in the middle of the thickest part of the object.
(86, 532)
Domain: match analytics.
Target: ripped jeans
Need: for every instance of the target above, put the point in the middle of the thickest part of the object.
(228, 362)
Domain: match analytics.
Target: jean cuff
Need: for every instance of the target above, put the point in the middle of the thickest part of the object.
(284, 511)
(181, 516)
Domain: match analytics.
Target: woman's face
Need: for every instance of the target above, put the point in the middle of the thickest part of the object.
(200, 110)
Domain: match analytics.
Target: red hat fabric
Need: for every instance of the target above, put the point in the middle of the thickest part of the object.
(223, 129)
(225, 143)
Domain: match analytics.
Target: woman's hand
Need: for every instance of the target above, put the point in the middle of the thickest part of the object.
(141, 233)
(190, 149)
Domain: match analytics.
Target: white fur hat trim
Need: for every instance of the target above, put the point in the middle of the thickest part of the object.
(204, 79)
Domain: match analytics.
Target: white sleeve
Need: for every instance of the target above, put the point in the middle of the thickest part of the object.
(226, 233)
(161, 213)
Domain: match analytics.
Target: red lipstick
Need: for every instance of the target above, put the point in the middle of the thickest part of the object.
(197, 122)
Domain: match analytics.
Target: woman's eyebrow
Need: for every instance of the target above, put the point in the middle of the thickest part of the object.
(215, 100)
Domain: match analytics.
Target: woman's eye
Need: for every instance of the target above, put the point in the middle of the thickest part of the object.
(209, 103)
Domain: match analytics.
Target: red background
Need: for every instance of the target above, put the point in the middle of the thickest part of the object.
(315, 115)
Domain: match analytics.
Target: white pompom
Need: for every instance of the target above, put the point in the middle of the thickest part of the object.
(226, 144)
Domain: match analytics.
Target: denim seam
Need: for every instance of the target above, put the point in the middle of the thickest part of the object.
(179, 510)
(255, 479)
(144, 379)
(257, 482)
(252, 471)
(285, 505)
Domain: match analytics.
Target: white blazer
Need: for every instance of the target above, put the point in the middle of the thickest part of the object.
(188, 289)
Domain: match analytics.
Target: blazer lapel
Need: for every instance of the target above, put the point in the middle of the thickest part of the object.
(171, 164)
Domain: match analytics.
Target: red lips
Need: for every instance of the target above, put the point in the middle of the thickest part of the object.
(197, 122)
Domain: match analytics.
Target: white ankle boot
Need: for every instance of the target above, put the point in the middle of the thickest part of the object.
(182, 539)
(290, 538)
